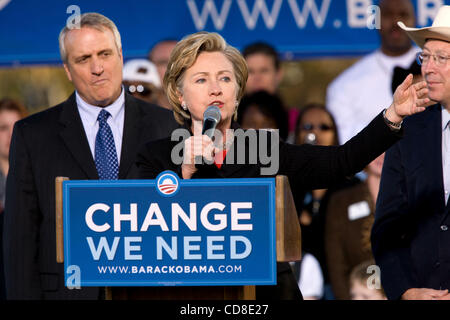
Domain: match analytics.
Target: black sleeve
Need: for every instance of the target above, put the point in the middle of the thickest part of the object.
(318, 167)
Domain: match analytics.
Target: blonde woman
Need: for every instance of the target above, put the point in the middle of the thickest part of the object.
(204, 70)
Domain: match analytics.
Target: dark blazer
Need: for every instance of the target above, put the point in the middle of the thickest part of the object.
(307, 167)
(46, 145)
(410, 237)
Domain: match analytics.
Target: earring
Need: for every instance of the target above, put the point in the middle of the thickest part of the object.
(183, 105)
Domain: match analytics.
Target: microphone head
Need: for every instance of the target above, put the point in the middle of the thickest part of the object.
(212, 113)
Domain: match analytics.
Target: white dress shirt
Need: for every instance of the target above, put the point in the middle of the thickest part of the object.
(311, 278)
(446, 152)
(89, 115)
(358, 94)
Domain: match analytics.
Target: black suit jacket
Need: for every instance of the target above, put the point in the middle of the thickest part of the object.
(46, 145)
(307, 167)
(410, 237)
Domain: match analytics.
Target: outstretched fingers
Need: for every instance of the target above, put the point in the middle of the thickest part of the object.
(422, 93)
(406, 83)
(403, 91)
(420, 85)
(422, 100)
(421, 104)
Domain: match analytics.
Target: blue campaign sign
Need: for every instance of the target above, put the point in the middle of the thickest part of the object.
(168, 231)
(297, 28)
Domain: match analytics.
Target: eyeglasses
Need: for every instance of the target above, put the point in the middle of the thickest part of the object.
(139, 89)
(310, 127)
(439, 59)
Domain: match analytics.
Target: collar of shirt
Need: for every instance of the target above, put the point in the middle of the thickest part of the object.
(388, 63)
(445, 118)
(90, 112)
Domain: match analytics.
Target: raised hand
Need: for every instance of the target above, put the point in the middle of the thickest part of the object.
(409, 99)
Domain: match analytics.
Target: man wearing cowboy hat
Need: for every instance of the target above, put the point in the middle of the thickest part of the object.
(411, 232)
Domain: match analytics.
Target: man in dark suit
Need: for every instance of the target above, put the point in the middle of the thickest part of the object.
(411, 232)
(65, 141)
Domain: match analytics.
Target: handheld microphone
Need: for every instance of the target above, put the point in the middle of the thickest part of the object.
(211, 117)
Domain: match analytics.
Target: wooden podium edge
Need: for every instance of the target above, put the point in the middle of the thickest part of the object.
(288, 227)
(59, 219)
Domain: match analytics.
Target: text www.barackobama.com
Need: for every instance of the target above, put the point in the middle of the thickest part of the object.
(169, 269)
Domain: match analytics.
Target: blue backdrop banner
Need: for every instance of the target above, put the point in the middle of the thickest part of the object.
(169, 231)
(297, 28)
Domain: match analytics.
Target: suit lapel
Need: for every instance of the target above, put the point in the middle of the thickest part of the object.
(432, 156)
(131, 134)
(74, 137)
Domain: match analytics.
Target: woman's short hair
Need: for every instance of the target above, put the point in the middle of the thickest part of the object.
(264, 48)
(92, 20)
(184, 56)
(7, 104)
(269, 105)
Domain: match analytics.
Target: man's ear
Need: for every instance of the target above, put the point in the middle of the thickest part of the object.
(66, 68)
(121, 55)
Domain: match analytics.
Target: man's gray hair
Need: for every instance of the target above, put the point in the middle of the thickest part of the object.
(91, 20)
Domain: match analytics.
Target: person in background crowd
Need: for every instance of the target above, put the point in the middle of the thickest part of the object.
(399, 74)
(262, 110)
(159, 54)
(94, 134)
(364, 282)
(349, 220)
(315, 125)
(265, 73)
(316, 119)
(264, 68)
(361, 91)
(10, 112)
(410, 235)
(308, 274)
(141, 80)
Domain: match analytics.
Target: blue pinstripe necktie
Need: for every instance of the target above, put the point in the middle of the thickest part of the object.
(105, 150)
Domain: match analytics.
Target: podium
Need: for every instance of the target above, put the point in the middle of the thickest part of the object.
(288, 248)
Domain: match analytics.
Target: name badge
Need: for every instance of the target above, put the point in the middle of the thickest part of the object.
(358, 210)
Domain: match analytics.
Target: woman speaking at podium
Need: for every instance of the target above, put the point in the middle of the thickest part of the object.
(205, 73)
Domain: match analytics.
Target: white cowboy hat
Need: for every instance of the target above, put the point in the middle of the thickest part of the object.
(440, 29)
(141, 70)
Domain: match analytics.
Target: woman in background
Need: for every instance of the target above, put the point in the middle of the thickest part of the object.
(263, 110)
(349, 220)
(316, 126)
(10, 112)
